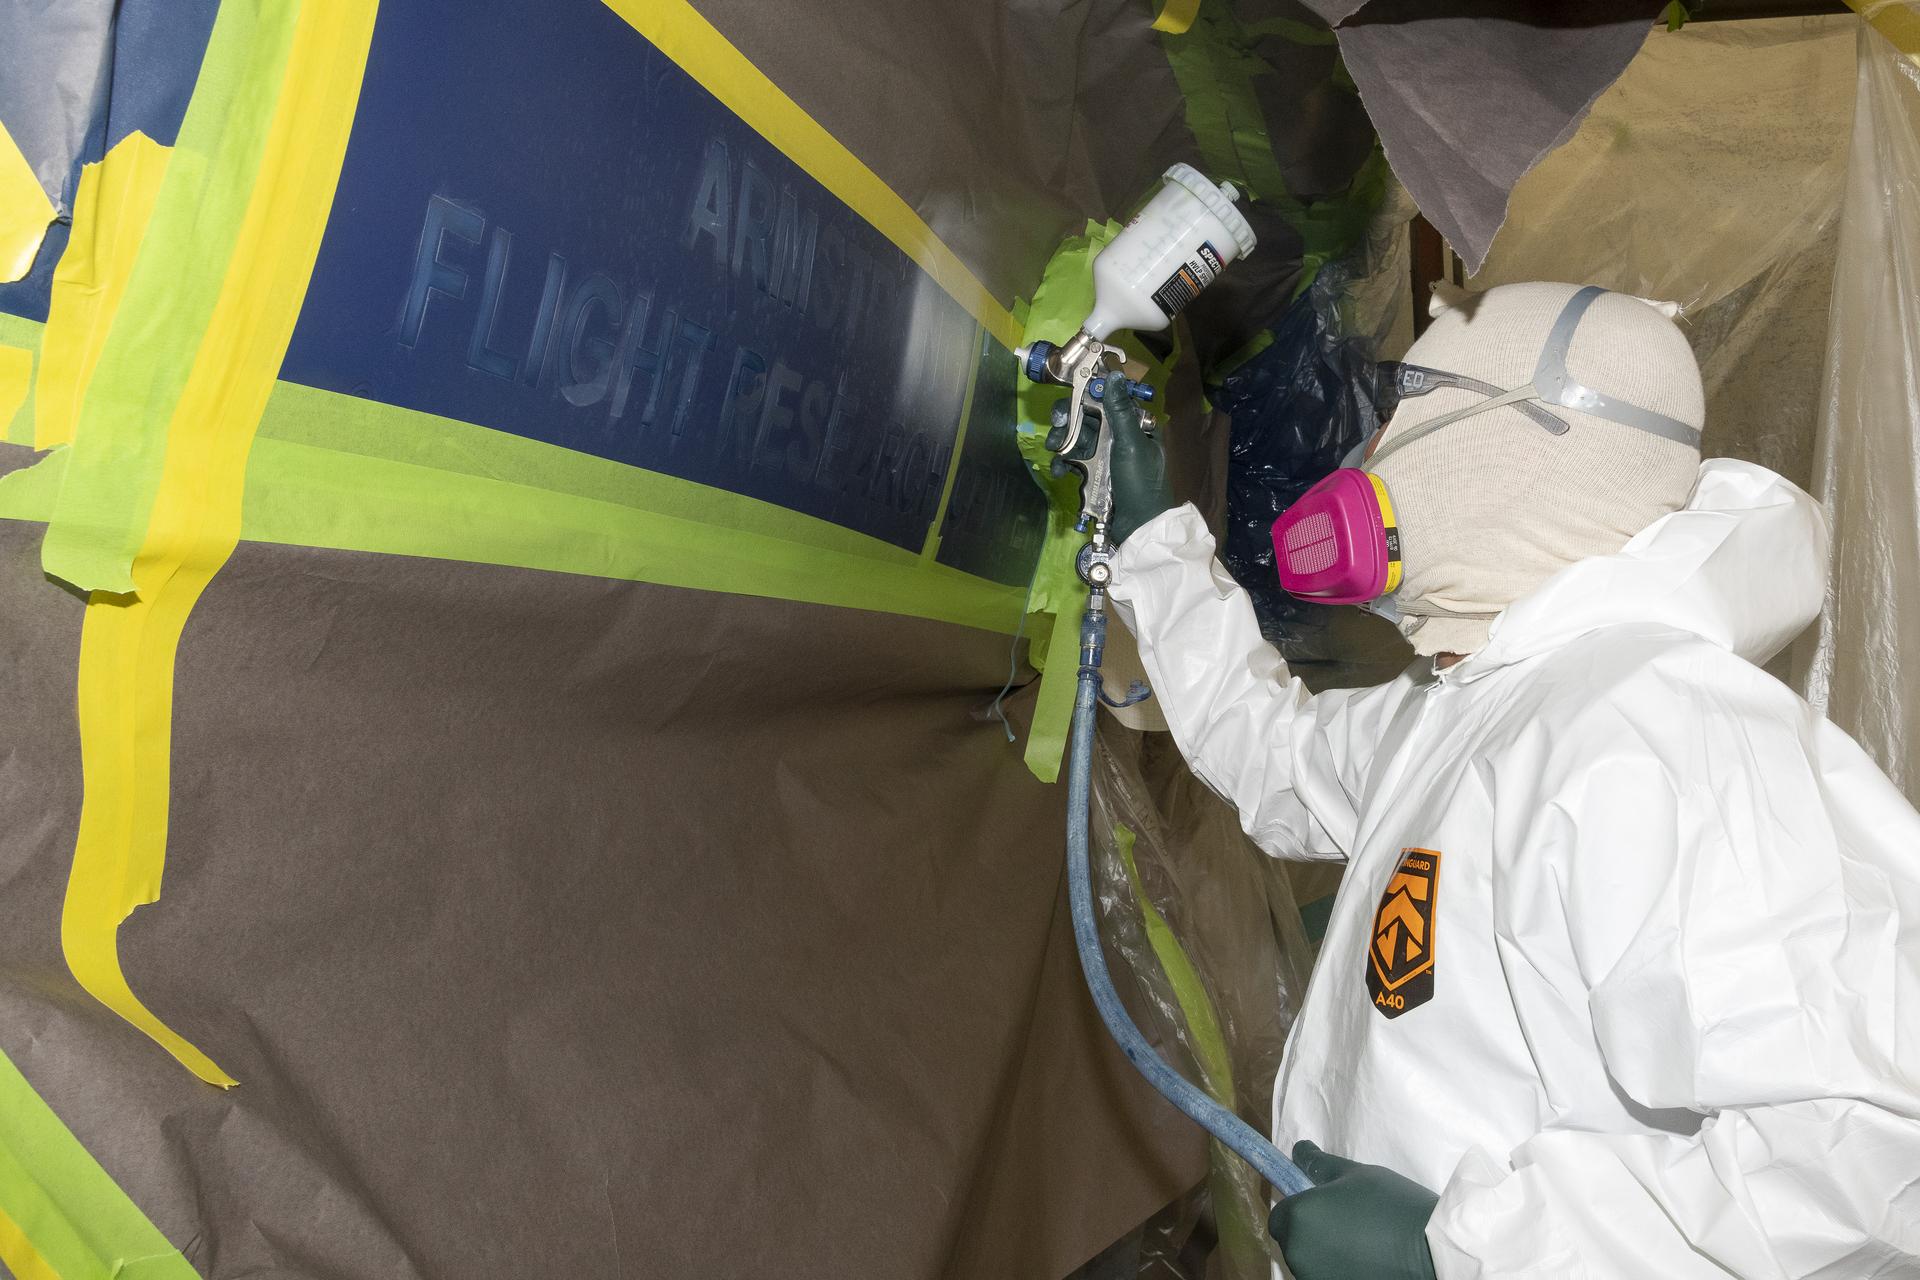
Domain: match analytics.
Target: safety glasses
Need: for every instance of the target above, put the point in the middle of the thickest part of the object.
(1410, 380)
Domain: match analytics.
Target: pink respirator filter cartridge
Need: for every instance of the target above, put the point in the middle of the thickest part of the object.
(1339, 543)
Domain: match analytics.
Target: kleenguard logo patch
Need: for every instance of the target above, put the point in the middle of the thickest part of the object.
(1400, 947)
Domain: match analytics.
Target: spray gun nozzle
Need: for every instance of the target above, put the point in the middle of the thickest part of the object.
(1037, 361)
(1055, 362)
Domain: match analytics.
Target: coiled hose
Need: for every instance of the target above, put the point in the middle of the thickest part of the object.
(1229, 1128)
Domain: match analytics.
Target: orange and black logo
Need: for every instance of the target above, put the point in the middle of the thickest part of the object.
(1400, 947)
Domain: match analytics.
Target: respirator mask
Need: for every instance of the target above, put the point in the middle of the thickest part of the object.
(1340, 543)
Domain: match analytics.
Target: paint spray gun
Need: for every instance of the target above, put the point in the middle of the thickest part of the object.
(1158, 264)
(1174, 247)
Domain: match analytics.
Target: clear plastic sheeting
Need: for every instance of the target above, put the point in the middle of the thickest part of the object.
(1862, 663)
(1297, 407)
(1710, 175)
(1210, 933)
(1177, 1243)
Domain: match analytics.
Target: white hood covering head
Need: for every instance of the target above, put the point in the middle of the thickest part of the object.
(1492, 506)
(1743, 564)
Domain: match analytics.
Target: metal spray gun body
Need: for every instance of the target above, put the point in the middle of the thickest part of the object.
(1087, 367)
(1172, 249)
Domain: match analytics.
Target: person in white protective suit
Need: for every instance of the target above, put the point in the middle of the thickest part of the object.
(1623, 977)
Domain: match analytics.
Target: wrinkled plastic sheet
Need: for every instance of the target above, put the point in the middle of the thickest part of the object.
(1862, 664)
(1711, 175)
(1209, 931)
(55, 62)
(1297, 408)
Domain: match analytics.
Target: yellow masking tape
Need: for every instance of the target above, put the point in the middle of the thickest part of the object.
(1176, 16)
(677, 30)
(19, 1255)
(25, 211)
(128, 644)
(110, 212)
(16, 379)
(931, 547)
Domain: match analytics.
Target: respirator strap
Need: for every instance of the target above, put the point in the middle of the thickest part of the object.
(1556, 385)
(1553, 384)
(1435, 611)
(1393, 611)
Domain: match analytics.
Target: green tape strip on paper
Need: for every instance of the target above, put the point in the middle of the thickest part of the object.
(1238, 1233)
(1215, 66)
(329, 470)
(113, 469)
(368, 429)
(76, 1219)
(1060, 303)
(17, 331)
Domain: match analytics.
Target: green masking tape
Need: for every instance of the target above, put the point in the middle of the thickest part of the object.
(1059, 305)
(1239, 1234)
(68, 1218)
(1216, 67)
(19, 334)
(329, 470)
(113, 473)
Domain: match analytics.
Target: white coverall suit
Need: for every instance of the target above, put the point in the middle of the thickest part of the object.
(1626, 959)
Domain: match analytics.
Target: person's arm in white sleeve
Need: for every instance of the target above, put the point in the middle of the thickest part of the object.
(1743, 900)
(1287, 760)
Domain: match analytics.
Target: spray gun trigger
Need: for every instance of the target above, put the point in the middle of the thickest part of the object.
(1058, 435)
(1083, 441)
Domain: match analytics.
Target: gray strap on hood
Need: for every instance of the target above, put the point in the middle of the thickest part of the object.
(1554, 385)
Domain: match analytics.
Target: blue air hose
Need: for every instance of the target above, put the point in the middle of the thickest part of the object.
(1201, 1109)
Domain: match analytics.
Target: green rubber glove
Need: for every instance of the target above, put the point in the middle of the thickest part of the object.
(1140, 488)
(1357, 1222)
